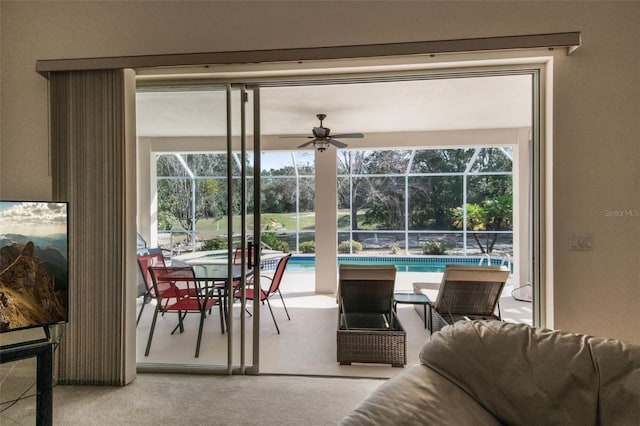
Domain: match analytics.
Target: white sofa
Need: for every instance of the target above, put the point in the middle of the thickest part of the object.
(495, 373)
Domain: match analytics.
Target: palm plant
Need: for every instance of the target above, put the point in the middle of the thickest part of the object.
(492, 215)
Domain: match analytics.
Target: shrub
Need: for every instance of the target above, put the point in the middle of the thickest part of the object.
(395, 248)
(270, 239)
(281, 245)
(433, 247)
(167, 221)
(355, 246)
(216, 243)
(308, 247)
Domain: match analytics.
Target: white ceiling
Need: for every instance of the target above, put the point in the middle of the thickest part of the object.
(442, 104)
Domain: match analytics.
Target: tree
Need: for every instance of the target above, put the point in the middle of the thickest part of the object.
(279, 195)
(176, 188)
(432, 197)
(431, 200)
(489, 186)
(381, 198)
(206, 207)
(492, 215)
(174, 203)
(351, 163)
(385, 203)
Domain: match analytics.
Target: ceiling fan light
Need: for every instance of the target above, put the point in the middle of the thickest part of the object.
(321, 145)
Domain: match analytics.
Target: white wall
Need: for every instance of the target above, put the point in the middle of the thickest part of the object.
(595, 123)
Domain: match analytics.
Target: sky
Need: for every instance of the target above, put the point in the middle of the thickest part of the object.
(278, 159)
(32, 218)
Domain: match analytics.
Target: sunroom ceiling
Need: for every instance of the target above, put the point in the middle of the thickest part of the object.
(425, 105)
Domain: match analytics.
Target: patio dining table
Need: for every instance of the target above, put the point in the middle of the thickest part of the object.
(213, 272)
(215, 278)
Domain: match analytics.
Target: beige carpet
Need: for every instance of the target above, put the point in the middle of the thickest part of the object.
(177, 399)
(286, 393)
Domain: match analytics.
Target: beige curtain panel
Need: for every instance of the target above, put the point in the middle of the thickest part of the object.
(89, 165)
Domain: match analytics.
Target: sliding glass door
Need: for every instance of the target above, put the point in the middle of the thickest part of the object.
(197, 206)
(423, 179)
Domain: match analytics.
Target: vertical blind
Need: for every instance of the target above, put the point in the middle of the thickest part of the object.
(89, 169)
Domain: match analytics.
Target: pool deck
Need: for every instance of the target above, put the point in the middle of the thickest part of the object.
(306, 344)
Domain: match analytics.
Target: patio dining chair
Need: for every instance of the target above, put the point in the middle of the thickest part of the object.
(154, 258)
(274, 287)
(249, 252)
(468, 292)
(144, 262)
(188, 299)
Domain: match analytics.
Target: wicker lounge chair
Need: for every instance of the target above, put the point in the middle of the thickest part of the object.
(467, 292)
(368, 329)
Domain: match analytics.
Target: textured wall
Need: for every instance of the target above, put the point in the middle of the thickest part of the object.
(596, 109)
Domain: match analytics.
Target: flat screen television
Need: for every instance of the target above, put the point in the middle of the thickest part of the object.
(34, 264)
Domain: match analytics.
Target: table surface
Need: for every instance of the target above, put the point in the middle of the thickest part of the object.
(410, 298)
(219, 272)
(214, 271)
(216, 268)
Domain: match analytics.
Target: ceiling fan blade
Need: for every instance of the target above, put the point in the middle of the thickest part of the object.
(296, 136)
(349, 135)
(306, 143)
(337, 143)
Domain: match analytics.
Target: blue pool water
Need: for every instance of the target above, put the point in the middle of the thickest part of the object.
(302, 264)
(307, 264)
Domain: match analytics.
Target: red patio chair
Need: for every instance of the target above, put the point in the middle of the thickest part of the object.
(188, 299)
(144, 262)
(249, 251)
(265, 295)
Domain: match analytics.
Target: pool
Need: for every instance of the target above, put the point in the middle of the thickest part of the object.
(307, 264)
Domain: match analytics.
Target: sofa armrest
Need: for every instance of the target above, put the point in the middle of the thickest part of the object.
(419, 396)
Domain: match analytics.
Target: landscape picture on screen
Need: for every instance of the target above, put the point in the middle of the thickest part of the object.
(34, 264)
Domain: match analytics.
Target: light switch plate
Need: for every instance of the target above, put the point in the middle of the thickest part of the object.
(582, 241)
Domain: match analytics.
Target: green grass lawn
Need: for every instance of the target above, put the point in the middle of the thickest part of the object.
(269, 221)
(280, 222)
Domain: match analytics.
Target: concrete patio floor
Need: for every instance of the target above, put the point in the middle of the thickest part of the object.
(306, 344)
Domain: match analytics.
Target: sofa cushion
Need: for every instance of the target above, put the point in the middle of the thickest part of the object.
(618, 365)
(419, 396)
(525, 375)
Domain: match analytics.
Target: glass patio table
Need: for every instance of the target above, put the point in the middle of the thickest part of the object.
(216, 279)
(214, 273)
(414, 299)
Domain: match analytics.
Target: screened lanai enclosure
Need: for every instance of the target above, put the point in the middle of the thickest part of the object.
(441, 175)
(455, 201)
(443, 169)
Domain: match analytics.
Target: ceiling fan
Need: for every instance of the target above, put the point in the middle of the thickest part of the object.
(322, 137)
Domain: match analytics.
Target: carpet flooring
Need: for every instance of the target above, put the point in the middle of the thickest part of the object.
(180, 399)
(301, 382)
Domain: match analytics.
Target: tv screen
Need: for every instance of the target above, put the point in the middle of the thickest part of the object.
(34, 264)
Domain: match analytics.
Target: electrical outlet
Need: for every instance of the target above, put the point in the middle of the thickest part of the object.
(580, 241)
